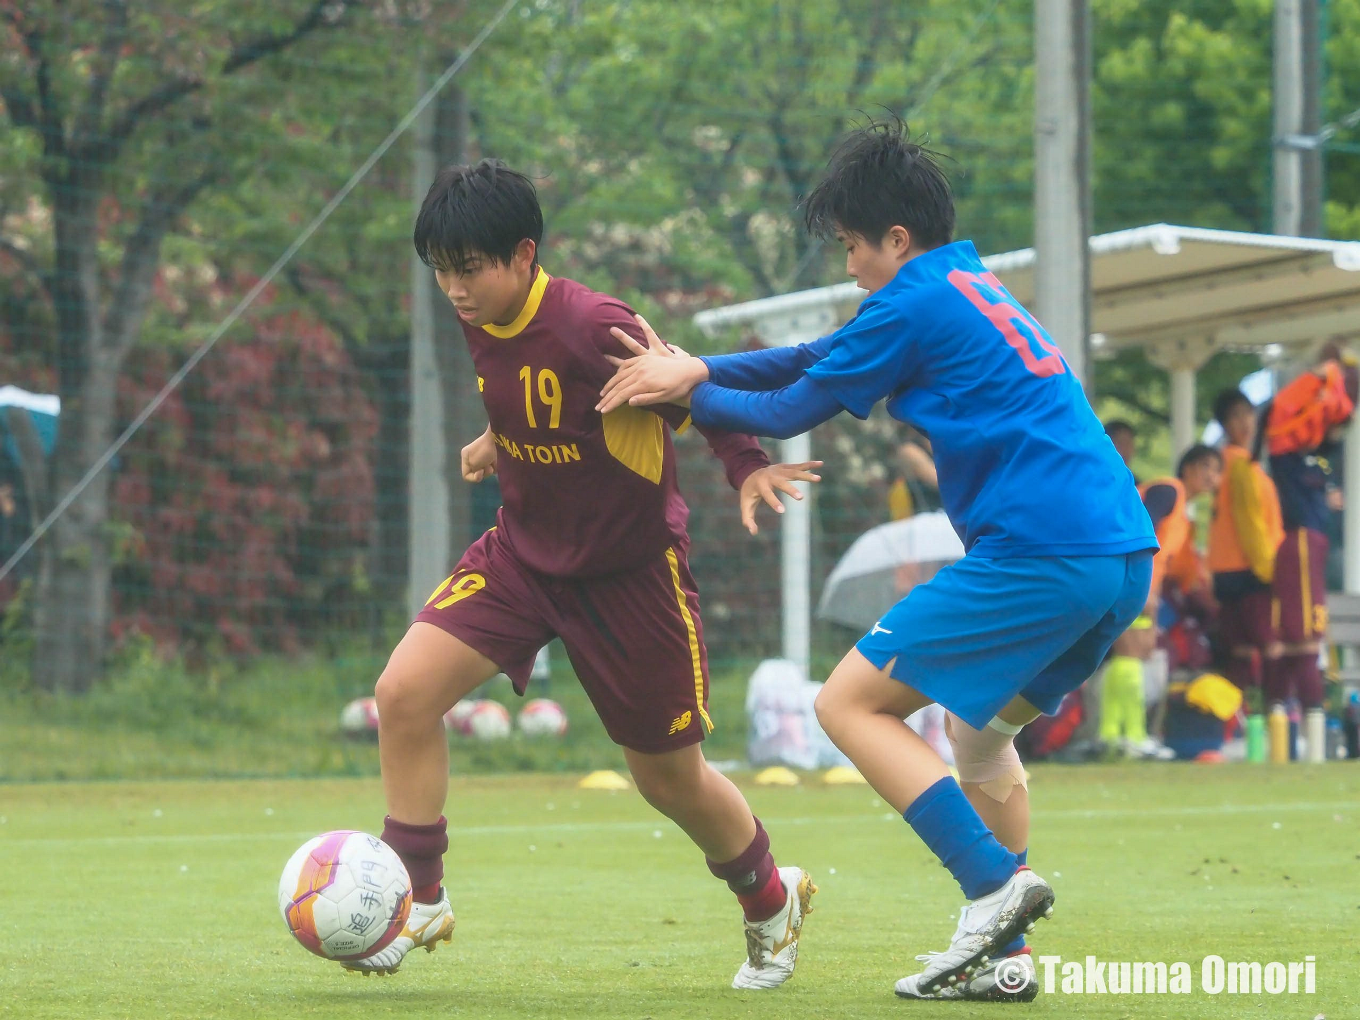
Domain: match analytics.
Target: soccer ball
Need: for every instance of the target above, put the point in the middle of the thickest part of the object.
(345, 895)
(360, 717)
(487, 720)
(543, 718)
(456, 718)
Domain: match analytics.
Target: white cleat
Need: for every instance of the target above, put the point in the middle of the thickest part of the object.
(1010, 979)
(986, 926)
(772, 945)
(428, 925)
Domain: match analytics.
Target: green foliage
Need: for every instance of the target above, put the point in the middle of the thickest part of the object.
(274, 716)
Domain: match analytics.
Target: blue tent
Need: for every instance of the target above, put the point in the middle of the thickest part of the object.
(43, 410)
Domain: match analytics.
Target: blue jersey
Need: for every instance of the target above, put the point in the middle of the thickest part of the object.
(1025, 468)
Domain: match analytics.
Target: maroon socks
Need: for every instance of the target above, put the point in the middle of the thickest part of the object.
(421, 848)
(752, 876)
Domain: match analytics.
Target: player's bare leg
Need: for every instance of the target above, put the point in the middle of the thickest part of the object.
(714, 814)
(428, 673)
(862, 708)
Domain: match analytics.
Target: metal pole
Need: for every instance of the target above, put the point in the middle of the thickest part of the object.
(1350, 534)
(428, 544)
(1062, 176)
(1182, 411)
(1297, 165)
(795, 554)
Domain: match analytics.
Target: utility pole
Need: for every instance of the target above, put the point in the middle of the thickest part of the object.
(1062, 176)
(1297, 168)
(428, 542)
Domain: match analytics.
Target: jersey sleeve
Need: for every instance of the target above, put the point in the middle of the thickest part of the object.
(771, 368)
(1249, 519)
(870, 357)
(779, 414)
(741, 455)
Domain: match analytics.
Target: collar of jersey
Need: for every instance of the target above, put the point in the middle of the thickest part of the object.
(526, 313)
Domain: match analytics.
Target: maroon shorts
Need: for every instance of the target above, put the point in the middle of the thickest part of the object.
(1246, 621)
(1300, 587)
(634, 639)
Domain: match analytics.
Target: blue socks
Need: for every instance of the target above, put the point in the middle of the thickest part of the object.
(953, 830)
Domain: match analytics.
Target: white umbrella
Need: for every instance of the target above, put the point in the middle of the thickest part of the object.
(886, 563)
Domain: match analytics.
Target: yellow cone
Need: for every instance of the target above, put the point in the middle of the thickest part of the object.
(605, 779)
(843, 775)
(777, 775)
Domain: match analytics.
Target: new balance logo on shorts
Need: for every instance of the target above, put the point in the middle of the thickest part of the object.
(680, 722)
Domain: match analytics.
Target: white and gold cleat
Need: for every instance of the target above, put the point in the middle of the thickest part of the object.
(986, 925)
(428, 925)
(772, 945)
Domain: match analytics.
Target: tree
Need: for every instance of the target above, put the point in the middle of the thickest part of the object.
(123, 118)
(1182, 103)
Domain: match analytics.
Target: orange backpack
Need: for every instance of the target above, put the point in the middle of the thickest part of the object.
(1305, 410)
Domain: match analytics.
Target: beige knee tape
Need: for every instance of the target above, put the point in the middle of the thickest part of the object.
(986, 757)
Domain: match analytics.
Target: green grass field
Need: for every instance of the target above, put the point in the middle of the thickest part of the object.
(156, 900)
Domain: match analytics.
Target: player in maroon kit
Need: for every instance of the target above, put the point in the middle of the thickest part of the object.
(590, 546)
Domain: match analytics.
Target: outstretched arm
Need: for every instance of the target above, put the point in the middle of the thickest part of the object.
(767, 369)
(779, 414)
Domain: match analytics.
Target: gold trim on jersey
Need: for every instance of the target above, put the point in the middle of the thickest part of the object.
(636, 438)
(692, 632)
(526, 313)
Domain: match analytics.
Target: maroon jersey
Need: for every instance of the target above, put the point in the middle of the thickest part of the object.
(583, 494)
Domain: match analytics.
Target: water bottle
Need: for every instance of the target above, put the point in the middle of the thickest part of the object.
(1256, 738)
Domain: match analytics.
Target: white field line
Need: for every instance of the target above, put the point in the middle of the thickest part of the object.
(456, 832)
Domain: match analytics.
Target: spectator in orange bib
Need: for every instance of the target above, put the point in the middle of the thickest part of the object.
(1123, 712)
(1243, 538)
(1302, 428)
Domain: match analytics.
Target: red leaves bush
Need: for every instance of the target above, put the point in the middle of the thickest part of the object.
(243, 507)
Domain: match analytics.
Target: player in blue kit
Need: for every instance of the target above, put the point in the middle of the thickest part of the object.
(1059, 546)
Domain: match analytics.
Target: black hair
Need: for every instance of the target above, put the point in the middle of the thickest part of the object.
(878, 178)
(484, 209)
(1118, 425)
(1197, 454)
(1226, 402)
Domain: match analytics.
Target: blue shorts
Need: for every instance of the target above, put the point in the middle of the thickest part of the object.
(984, 630)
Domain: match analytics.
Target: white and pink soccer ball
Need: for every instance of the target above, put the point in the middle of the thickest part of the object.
(345, 895)
(542, 717)
(455, 719)
(360, 717)
(482, 719)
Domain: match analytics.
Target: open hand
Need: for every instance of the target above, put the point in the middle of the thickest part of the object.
(655, 374)
(762, 485)
(478, 458)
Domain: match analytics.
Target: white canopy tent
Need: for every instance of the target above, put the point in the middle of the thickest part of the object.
(1179, 293)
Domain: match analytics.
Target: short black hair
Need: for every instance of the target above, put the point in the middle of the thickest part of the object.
(1119, 425)
(1227, 401)
(878, 178)
(1197, 454)
(483, 209)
